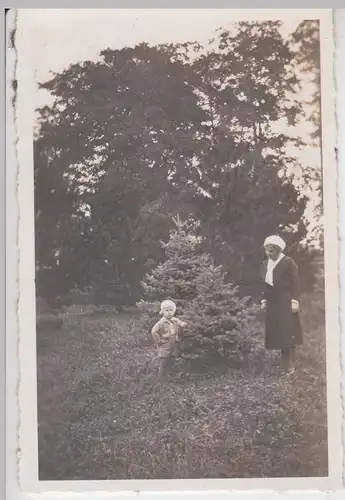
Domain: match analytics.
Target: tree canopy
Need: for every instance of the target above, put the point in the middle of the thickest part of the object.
(147, 132)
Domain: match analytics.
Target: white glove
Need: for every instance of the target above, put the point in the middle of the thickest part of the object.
(295, 306)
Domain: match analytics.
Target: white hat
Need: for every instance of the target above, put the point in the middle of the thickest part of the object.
(275, 240)
(167, 303)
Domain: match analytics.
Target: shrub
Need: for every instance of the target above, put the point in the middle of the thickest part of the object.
(217, 317)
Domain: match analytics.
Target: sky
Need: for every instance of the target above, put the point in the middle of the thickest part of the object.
(61, 37)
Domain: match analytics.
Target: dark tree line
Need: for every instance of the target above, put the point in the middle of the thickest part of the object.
(148, 132)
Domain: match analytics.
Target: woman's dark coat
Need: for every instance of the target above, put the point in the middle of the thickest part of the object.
(283, 327)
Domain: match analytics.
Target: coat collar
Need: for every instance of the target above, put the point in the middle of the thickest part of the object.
(276, 262)
(166, 320)
(278, 268)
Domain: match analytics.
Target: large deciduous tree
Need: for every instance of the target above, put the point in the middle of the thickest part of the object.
(247, 88)
(123, 130)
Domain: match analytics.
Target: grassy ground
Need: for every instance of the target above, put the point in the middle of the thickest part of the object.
(102, 414)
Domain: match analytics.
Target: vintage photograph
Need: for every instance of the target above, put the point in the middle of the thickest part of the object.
(179, 245)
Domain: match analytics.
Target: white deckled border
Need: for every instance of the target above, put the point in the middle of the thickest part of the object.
(27, 418)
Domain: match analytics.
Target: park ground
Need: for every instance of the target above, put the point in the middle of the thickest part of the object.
(103, 414)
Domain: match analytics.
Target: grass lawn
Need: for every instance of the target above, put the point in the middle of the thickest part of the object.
(102, 414)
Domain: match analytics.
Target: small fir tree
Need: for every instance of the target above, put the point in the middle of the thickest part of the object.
(218, 319)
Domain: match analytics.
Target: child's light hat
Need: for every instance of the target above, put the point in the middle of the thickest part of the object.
(275, 240)
(168, 303)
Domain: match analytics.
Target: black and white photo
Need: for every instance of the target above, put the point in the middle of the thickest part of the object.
(184, 292)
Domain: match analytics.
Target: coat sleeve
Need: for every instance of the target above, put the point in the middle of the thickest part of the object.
(179, 322)
(180, 325)
(156, 333)
(295, 281)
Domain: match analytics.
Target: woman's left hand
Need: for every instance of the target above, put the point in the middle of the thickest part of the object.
(295, 306)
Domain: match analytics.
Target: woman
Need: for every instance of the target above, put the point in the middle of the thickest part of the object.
(281, 302)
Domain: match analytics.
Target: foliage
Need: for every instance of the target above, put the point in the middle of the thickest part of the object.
(247, 84)
(306, 49)
(122, 129)
(305, 43)
(149, 130)
(217, 317)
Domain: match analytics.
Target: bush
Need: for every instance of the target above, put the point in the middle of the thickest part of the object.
(217, 317)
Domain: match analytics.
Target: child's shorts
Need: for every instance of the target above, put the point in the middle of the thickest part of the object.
(167, 350)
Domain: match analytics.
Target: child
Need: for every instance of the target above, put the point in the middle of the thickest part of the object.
(165, 335)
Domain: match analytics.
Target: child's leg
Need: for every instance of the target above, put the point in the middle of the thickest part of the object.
(163, 364)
